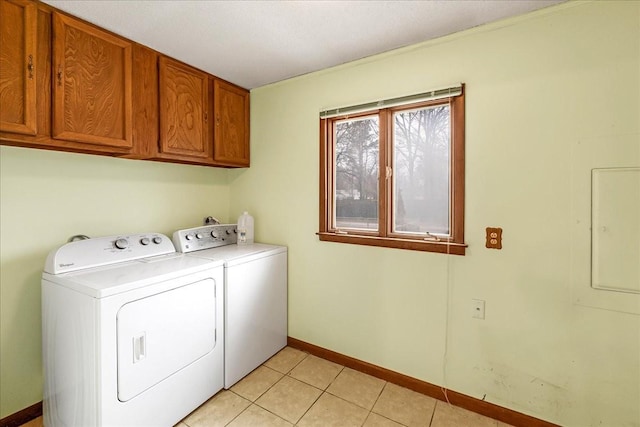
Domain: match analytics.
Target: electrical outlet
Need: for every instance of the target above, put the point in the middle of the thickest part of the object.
(478, 308)
(494, 238)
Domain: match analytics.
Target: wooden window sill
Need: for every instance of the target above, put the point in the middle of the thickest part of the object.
(390, 242)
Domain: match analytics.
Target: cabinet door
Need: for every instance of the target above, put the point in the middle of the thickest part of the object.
(91, 84)
(18, 28)
(231, 139)
(184, 100)
(145, 105)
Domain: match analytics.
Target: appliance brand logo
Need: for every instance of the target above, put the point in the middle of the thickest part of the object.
(66, 265)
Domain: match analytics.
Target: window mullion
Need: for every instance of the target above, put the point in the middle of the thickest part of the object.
(384, 182)
(325, 168)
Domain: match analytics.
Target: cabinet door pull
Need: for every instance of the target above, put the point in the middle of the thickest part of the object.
(218, 120)
(30, 66)
(206, 117)
(59, 75)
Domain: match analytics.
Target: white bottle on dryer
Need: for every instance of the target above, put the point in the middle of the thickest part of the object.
(245, 229)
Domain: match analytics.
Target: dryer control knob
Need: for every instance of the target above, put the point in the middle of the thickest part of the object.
(198, 236)
(189, 236)
(227, 231)
(121, 243)
(157, 240)
(145, 241)
(214, 235)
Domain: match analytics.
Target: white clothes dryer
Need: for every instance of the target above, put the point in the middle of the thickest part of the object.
(132, 332)
(255, 280)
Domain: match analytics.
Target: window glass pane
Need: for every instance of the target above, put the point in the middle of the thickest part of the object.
(421, 147)
(356, 182)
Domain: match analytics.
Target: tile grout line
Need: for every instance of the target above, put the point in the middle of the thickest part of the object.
(309, 408)
(354, 403)
(384, 416)
(378, 397)
(433, 414)
(274, 414)
(254, 402)
(270, 387)
(318, 398)
(284, 374)
(288, 374)
(241, 412)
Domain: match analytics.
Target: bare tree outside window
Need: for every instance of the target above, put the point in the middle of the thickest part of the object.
(421, 146)
(357, 169)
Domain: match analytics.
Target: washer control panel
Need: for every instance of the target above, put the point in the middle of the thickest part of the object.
(205, 237)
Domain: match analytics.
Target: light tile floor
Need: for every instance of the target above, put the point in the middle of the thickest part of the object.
(296, 388)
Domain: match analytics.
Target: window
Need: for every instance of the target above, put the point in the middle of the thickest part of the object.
(392, 173)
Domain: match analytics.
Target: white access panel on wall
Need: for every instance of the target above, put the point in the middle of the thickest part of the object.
(148, 330)
(604, 193)
(615, 229)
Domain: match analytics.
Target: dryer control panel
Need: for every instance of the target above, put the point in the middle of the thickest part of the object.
(100, 251)
(205, 237)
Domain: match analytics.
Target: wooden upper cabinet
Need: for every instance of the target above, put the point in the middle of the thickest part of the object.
(68, 85)
(184, 110)
(18, 30)
(91, 84)
(231, 129)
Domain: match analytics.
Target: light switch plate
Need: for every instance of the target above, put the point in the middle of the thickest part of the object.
(478, 308)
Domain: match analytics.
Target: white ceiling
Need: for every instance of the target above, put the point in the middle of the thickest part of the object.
(253, 43)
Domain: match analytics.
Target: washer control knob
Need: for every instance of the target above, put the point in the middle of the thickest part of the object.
(198, 235)
(157, 240)
(235, 231)
(145, 241)
(214, 235)
(189, 236)
(227, 231)
(121, 243)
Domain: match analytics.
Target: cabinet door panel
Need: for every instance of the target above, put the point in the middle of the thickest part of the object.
(183, 110)
(91, 84)
(18, 29)
(231, 140)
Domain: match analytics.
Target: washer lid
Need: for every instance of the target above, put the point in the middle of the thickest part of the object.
(235, 254)
(100, 282)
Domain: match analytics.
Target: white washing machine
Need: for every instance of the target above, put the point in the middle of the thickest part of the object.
(132, 332)
(255, 311)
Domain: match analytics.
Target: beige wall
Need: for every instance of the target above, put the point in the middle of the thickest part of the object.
(46, 197)
(549, 96)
